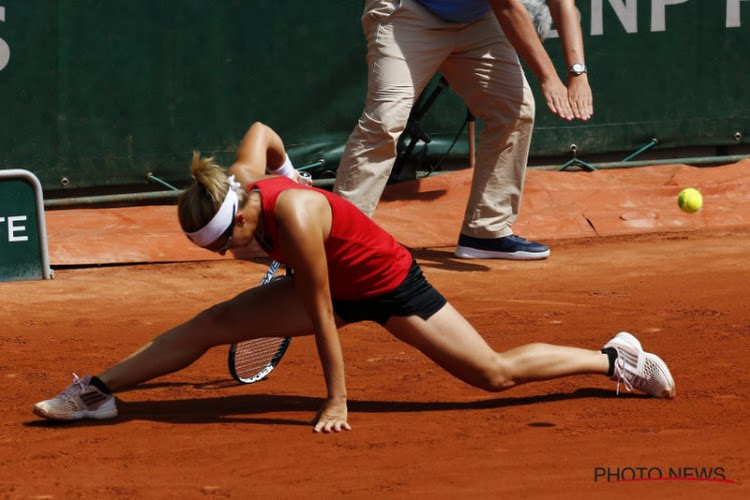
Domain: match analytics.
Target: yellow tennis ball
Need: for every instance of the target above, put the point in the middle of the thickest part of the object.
(690, 200)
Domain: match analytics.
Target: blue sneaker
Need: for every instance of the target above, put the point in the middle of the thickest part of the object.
(509, 247)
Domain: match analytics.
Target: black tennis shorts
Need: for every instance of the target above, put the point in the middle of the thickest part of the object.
(414, 296)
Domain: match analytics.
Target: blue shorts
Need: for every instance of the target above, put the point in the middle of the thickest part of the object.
(414, 296)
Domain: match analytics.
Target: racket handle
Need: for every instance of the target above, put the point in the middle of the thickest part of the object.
(305, 178)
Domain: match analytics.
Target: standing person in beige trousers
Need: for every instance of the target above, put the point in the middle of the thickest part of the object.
(475, 44)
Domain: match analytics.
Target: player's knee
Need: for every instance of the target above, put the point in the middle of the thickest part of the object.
(212, 319)
(498, 376)
(210, 316)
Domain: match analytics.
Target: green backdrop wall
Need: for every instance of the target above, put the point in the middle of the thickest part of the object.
(99, 93)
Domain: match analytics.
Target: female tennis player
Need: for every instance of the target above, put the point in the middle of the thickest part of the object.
(347, 269)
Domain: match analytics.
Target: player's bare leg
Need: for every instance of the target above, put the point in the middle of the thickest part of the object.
(269, 310)
(449, 340)
(272, 310)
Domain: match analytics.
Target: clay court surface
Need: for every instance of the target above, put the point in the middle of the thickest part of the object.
(681, 287)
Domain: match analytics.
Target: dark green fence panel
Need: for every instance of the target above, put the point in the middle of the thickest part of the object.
(98, 93)
(101, 92)
(675, 70)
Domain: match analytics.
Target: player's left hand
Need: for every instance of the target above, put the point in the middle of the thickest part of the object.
(579, 97)
(332, 416)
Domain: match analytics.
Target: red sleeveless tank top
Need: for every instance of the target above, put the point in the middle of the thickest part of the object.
(363, 259)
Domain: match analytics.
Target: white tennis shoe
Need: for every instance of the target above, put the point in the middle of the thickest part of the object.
(78, 401)
(637, 369)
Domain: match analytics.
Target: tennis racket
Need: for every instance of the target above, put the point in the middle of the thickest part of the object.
(252, 360)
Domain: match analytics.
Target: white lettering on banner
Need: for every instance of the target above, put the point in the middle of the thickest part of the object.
(4, 49)
(733, 13)
(13, 228)
(658, 13)
(626, 11)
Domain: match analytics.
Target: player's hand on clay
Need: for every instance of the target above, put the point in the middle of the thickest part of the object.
(332, 417)
(556, 96)
(579, 96)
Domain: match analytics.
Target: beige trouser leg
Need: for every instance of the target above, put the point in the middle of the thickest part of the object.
(406, 45)
(485, 71)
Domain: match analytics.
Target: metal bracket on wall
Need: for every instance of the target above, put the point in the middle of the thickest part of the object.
(653, 142)
(575, 161)
(152, 178)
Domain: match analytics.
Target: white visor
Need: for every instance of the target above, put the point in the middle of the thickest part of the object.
(221, 221)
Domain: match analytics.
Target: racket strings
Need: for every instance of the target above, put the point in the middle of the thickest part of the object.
(252, 356)
(252, 360)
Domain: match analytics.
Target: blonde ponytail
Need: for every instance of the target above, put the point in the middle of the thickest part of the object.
(200, 202)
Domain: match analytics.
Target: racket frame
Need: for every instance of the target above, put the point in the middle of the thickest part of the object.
(235, 349)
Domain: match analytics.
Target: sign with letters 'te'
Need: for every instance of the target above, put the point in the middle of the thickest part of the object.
(23, 239)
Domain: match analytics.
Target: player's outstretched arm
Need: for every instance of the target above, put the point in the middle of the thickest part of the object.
(304, 221)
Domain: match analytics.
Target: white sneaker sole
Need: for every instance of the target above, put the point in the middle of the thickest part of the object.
(100, 414)
(474, 253)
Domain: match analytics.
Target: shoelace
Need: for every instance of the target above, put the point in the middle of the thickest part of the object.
(74, 389)
(620, 371)
(517, 238)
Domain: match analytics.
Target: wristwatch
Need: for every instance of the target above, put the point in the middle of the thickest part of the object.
(577, 69)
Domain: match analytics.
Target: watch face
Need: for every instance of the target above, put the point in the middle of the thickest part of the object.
(577, 69)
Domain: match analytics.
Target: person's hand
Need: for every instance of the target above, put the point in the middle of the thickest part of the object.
(579, 96)
(556, 96)
(332, 417)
